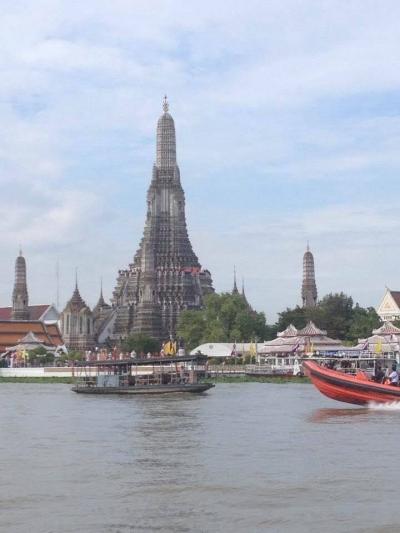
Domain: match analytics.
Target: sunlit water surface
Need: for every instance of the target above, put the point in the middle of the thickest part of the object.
(243, 457)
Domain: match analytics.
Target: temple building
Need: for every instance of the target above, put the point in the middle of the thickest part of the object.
(165, 276)
(24, 323)
(389, 308)
(384, 340)
(307, 340)
(235, 290)
(15, 332)
(309, 288)
(77, 323)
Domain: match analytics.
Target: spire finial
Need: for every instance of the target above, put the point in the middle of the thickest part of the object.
(165, 104)
(20, 250)
(76, 278)
(101, 287)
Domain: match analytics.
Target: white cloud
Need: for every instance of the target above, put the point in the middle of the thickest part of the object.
(259, 91)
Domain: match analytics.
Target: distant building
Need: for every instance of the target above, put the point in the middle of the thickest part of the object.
(14, 332)
(226, 349)
(309, 339)
(20, 309)
(384, 340)
(77, 323)
(389, 308)
(44, 313)
(20, 298)
(309, 293)
(235, 290)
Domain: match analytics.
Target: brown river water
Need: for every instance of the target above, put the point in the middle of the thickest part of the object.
(243, 457)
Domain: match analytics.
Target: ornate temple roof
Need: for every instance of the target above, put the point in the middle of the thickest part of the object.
(387, 329)
(36, 312)
(290, 331)
(13, 332)
(311, 330)
(101, 305)
(76, 303)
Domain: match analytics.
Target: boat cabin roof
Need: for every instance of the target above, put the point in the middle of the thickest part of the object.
(145, 361)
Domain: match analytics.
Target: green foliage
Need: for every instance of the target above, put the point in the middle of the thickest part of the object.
(364, 321)
(40, 356)
(70, 357)
(296, 316)
(140, 343)
(225, 318)
(337, 315)
(74, 356)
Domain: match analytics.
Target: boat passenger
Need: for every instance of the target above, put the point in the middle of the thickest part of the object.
(379, 374)
(394, 376)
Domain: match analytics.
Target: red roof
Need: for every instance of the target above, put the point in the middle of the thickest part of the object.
(12, 332)
(35, 312)
(396, 296)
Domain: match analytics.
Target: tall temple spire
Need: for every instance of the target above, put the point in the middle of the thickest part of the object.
(165, 276)
(20, 298)
(235, 289)
(309, 288)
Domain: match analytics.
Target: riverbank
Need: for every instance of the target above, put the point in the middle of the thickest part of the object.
(41, 379)
(257, 379)
(219, 379)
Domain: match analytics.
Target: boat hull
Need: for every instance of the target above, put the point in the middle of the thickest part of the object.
(349, 389)
(146, 389)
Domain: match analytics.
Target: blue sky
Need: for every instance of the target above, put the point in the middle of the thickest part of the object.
(288, 130)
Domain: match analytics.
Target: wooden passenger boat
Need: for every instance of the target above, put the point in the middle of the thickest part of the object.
(166, 375)
(358, 389)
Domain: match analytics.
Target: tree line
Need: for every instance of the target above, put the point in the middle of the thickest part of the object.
(227, 317)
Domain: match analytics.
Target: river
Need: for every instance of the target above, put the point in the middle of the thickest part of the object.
(241, 458)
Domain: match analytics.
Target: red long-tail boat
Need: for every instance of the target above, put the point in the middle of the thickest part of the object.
(358, 389)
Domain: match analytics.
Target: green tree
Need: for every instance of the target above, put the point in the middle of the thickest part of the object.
(297, 316)
(336, 314)
(192, 325)
(225, 318)
(140, 343)
(40, 356)
(364, 321)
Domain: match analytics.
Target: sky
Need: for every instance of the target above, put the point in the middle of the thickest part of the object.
(287, 117)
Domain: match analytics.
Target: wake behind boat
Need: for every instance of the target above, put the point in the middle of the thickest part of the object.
(358, 389)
